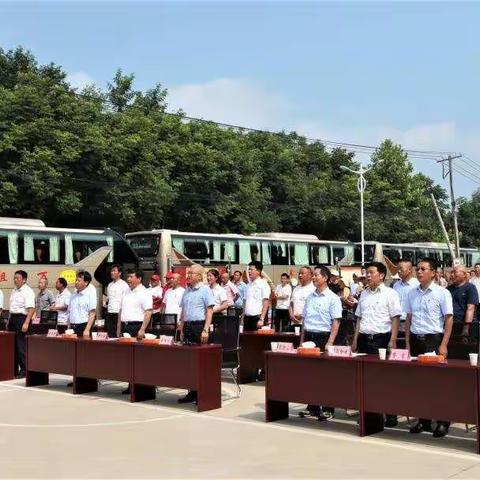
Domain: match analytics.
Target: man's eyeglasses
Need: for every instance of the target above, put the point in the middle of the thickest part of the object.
(423, 269)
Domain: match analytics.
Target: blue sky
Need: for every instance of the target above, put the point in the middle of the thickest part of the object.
(344, 71)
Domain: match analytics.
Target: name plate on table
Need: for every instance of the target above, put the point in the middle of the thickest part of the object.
(166, 340)
(340, 351)
(36, 321)
(52, 332)
(400, 355)
(101, 336)
(285, 347)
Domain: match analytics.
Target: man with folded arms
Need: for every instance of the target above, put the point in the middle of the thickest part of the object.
(378, 318)
(322, 314)
(197, 310)
(428, 326)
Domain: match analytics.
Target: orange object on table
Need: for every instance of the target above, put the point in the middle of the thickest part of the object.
(309, 352)
(127, 340)
(70, 336)
(266, 332)
(431, 359)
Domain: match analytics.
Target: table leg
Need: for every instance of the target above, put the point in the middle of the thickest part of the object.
(84, 385)
(141, 393)
(276, 410)
(33, 379)
(371, 423)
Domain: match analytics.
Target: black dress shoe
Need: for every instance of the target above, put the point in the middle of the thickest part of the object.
(188, 398)
(126, 391)
(421, 427)
(20, 375)
(440, 431)
(70, 384)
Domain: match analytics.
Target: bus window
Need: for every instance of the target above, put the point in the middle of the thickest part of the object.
(78, 247)
(447, 259)
(197, 250)
(298, 254)
(255, 251)
(224, 251)
(40, 248)
(468, 260)
(8, 247)
(319, 255)
(279, 253)
(337, 253)
(266, 253)
(409, 255)
(147, 245)
(392, 254)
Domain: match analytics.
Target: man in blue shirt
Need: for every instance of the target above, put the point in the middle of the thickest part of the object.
(428, 326)
(465, 300)
(322, 314)
(242, 288)
(197, 310)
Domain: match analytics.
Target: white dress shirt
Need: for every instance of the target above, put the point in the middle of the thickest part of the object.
(428, 308)
(80, 306)
(283, 290)
(135, 303)
(377, 308)
(173, 300)
(21, 299)
(403, 288)
(299, 295)
(62, 300)
(476, 281)
(1, 300)
(257, 291)
(115, 292)
(157, 294)
(219, 294)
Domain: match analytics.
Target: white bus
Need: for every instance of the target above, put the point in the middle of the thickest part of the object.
(27, 244)
(170, 250)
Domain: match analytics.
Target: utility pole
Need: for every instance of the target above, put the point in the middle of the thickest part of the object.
(449, 159)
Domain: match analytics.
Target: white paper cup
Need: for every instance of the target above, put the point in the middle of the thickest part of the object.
(473, 359)
(382, 353)
(297, 330)
(330, 349)
(94, 334)
(273, 346)
(241, 329)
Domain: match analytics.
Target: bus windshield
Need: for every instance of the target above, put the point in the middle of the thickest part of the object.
(145, 245)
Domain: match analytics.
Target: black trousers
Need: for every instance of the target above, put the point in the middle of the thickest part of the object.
(78, 328)
(15, 324)
(320, 339)
(250, 323)
(192, 335)
(370, 344)
(420, 344)
(131, 327)
(281, 319)
(111, 320)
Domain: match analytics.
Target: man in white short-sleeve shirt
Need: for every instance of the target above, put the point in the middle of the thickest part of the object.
(173, 297)
(62, 299)
(137, 305)
(116, 289)
(22, 308)
(300, 294)
(257, 298)
(283, 294)
(82, 306)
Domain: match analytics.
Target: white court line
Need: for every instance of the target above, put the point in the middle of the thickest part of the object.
(426, 449)
(103, 424)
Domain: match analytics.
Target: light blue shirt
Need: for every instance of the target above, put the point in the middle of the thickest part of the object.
(320, 310)
(80, 306)
(428, 308)
(403, 288)
(195, 302)
(242, 289)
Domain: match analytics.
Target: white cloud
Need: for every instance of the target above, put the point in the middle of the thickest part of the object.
(80, 80)
(232, 101)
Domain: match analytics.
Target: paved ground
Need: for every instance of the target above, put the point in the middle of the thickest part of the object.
(46, 432)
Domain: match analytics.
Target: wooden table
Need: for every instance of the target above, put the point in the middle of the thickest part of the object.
(319, 380)
(142, 365)
(253, 346)
(195, 367)
(448, 392)
(46, 355)
(7, 355)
